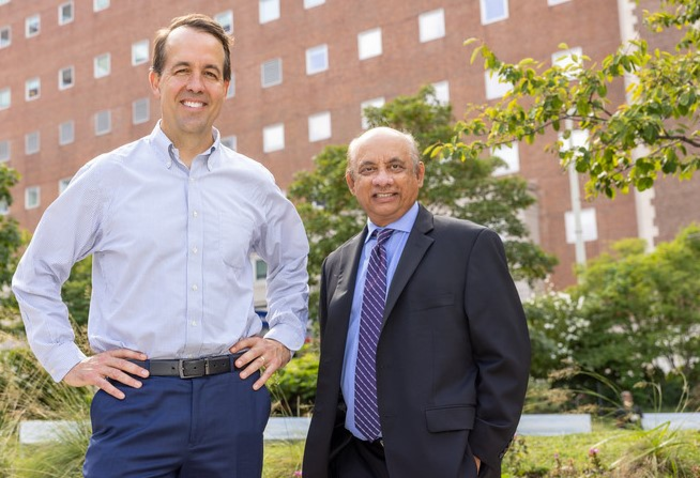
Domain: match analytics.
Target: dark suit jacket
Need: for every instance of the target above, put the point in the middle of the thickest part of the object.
(453, 355)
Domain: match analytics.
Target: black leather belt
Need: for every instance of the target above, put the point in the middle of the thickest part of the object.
(189, 368)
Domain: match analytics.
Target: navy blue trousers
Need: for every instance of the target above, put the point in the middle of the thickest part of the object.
(207, 427)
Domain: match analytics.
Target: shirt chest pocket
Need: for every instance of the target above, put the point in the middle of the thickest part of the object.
(236, 235)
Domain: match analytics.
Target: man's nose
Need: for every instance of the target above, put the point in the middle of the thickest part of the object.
(195, 83)
(383, 178)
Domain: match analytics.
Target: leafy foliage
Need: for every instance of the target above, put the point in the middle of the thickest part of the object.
(452, 187)
(631, 144)
(10, 236)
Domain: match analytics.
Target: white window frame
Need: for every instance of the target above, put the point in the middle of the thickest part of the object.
(5, 98)
(4, 207)
(485, 20)
(29, 139)
(100, 116)
(369, 44)
(510, 155)
(589, 225)
(431, 25)
(230, 141)
(65, 20)
(63, 85)
(442, 92)
(564, 59)
(556, 2)
(63, 184)
(316, 54)
(495, 88)
(66, 133)
(5, 150)
(99, 5)
(374, 103)
(263, 76)
(140, 52)
(313, 3)
(138, 106)
(32, 89)
(29, 22)
(225, 19)
(231, 91)
(102, 71)
(273, 138)
(320, 126)
(268, 10)
(32, 193)
(6, 31)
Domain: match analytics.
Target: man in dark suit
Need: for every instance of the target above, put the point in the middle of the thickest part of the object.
(441, 391)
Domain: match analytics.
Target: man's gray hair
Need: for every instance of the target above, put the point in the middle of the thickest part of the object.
(413, 150)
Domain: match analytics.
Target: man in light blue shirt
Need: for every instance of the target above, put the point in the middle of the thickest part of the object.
(171, 220)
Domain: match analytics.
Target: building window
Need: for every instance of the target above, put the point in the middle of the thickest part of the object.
(63, 184)
(32, 143)
(556, 2)
(431, 25)
(65, 13)
(511, 156)
(32, 26)
(313, 3)
(231, 91)
(32, 197)
(373, 103)
(273, 138)
(316, 59)
(230, 142)
(369, 43)
(103, 65)
(4, 207)
(320, 126)
(4, 151)
(269, 10)
(571, 61)
(271, 73)
(103, 122)
(260, 269)
(5, 36)
(493, 11)
(4, 2)
(139, 52)
(99, 5)
(32, 89)
(5, 98)
(589, 226)
(496, 87)
(225, 19)
(66, 133)
(442, 93)
(66, 78)
(141, 111)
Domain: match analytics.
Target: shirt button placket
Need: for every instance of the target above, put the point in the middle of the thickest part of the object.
(195, 267)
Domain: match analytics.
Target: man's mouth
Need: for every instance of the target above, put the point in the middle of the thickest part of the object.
(193, 104)
(383, 195)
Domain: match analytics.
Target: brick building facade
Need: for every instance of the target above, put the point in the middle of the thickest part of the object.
(74, 84)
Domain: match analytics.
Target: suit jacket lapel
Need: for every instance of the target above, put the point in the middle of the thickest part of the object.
(417, 245)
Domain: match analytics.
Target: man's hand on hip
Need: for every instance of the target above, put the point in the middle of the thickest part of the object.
(114, 365)
(265, 354)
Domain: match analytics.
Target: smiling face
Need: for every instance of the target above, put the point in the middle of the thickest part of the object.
(382, 175)
(191, 87)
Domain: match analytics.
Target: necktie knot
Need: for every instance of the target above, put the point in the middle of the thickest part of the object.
(383, 235)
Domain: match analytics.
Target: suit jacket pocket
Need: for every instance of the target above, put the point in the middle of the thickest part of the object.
(445, 419)
(431, 301)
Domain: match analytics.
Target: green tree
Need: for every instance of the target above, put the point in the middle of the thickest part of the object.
(10, 236)
(452, 187)
(632, 317)
(628, 145)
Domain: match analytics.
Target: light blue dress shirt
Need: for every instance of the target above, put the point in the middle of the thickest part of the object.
(172, 276)
(394, 247)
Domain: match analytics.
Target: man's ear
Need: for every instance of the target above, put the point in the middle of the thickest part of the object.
(154, 80)
(351, 182)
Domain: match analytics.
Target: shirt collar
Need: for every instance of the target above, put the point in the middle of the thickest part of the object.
(167, 151)
(403, 224)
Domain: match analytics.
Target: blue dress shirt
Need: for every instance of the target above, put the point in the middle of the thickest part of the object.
(172, 277)
(394, 247)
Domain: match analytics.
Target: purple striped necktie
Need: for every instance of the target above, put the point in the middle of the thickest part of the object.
(373, 299)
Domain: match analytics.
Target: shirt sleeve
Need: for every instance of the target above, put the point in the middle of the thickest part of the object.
(67, 232)
(284, 246)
